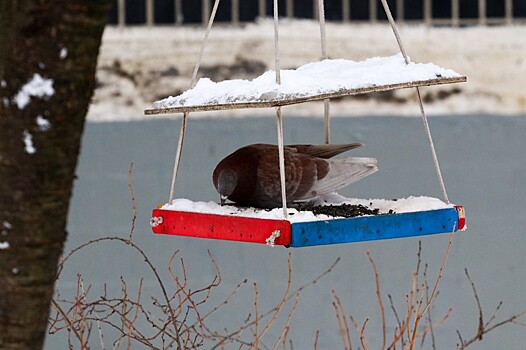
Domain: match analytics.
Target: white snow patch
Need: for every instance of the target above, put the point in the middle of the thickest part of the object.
(15, 270)
(4, 245)
(327, 76)
(36, 87)
(28, 141)
(7, 225)
(63, 53)
(6, 102)
(403, 205)
(43, 123)
(228, 210)
(3, 83)
(400, 205)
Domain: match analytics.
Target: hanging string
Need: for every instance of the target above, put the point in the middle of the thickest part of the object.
(420, 103)
(324, 56)
(182, 131)
(276, 44)
(279, 119)
(281, 151)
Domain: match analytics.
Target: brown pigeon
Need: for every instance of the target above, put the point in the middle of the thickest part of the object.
(250, 175)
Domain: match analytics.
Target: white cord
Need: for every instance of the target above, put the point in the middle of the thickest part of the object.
(420, 103)
(281, 152)
(185, 115)
(324, 56)
(276, 43)
(279, 119)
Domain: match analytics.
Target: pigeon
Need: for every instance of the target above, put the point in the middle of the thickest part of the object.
(250, 176)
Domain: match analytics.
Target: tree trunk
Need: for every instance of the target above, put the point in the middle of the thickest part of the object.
(48, 55)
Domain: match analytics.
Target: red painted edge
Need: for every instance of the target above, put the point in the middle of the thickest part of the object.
(233, 228)
(461, 217)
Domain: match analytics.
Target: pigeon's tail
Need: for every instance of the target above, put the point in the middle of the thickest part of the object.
(344, 172)
(325, 151)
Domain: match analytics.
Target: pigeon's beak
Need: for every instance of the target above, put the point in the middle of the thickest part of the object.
(223, 200)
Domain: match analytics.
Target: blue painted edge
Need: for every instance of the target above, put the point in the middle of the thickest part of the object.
(368, 228)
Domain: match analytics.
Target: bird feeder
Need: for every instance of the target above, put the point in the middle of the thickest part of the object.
(320, 81)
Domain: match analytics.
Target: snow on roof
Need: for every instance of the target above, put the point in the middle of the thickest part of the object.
(311, 79)
(403, 205)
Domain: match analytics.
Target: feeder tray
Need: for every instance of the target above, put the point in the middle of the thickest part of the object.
(310, 233)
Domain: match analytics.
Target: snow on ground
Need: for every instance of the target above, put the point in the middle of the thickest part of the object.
(403, 205)
(140, 65)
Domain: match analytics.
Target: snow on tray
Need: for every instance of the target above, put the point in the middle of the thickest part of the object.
(324, 77)
(403, 205)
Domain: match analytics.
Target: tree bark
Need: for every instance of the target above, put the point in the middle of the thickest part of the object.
(48, 55)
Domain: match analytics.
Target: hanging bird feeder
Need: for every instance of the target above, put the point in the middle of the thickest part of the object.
(312, 82)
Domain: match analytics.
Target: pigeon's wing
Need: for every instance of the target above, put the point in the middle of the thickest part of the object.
(267, 192)
(325, 151)
(301, 172)
(342, 172)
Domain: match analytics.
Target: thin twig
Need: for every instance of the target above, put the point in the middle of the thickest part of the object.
(134, 204)
(345, 329)
(256, 310)
(287, 323)
(362, 336)
(379, 296)
(429, 318)
(441, 271)
(480, 329)
(283, 299)
(68, 321)
(397, 319)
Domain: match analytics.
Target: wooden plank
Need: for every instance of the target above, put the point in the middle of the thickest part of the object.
(289, 9)
(178, 7)
(428, 12)
(312, 233)
(262, 10)
(150, 13)
(231, 228)
(373, 11)
(121, 13)
(400, 11)
(378, 227)
(508, 11)
(290, 101)
(205, 12)
(346, 11)
(482, 12)
(455, 13)
(235, 12)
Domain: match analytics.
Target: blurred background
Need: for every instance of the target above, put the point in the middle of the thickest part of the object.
(148, 53)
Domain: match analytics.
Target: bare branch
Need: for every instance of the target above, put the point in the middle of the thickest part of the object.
(379, 296)
(134, 204)
(362, 336)
(485, 328)
(287, 323)
(480, 329)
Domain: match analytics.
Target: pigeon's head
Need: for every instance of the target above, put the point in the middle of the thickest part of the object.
(226, 183)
